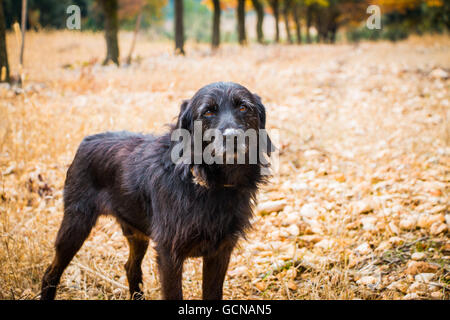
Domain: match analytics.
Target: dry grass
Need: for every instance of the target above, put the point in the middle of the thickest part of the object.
(364, 141)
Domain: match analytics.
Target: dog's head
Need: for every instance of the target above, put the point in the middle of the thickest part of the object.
(227, 108)
(226, 121)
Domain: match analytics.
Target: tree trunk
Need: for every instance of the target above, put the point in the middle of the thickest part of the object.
(318, 26)
(308, 23)
(260, 17)
(296, 13)
(333, 31)
(136, 30)
(4, 66)
(241, 22)
(333, 24)
(321, 25)
(111, 28)
(274, 5)
(179, 27)
(286, 9)
(216, 24)
(24, 29)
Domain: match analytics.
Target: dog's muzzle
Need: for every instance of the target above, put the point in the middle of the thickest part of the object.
(233, 143)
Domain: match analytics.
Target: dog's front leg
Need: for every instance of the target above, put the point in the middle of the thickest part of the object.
(170, 272)
(214, 269)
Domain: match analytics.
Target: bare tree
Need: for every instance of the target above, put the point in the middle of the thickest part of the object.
(179, 27)
(111, 29)
(24, 29)
(216, 24)
(259, 8)
(4, 65)
(241, 22)
(286, 11)
(309, 12)
(296, 14)
(136, 30)
(275, 8)
(327, 23)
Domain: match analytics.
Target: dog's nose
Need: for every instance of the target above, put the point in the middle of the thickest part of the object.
(228, 125)
(230, 132)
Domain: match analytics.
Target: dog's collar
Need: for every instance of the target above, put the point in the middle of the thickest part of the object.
(205, 185)
(201, 182)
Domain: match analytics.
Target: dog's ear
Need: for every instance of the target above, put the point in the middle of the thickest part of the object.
(267, 145)
(185, 116)
(261, 111)
(184, 122)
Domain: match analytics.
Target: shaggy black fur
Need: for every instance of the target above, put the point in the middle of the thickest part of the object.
(131, 176)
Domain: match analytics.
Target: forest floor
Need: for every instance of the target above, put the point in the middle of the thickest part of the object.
(358, 207)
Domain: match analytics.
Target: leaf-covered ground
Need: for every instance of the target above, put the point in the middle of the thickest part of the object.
(359, 205)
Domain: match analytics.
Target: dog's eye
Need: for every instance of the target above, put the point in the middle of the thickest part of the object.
(208, 113)
(242, 108)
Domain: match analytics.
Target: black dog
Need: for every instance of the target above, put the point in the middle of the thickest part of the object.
(188, 210)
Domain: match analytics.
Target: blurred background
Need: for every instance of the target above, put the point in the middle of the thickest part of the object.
(280, 20)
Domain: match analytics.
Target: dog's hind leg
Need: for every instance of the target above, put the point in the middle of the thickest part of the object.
(138, 243)
(74, 230)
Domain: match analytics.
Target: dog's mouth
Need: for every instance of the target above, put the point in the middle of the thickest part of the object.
(229, 147)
